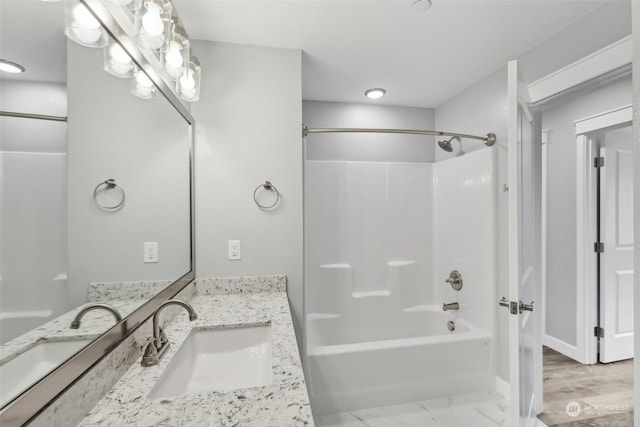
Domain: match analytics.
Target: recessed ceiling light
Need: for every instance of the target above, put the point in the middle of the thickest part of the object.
(375, 93)
(422, 4)
(10, 67)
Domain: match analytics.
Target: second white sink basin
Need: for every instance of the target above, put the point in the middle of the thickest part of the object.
(218, 359)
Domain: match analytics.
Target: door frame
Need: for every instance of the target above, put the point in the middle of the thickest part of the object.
(586, 350)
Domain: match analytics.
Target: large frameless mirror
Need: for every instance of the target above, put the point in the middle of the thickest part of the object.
(96, 206)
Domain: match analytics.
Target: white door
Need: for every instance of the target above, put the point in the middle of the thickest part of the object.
(525, 347)
(616, 262)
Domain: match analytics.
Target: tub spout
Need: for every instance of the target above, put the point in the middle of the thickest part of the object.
(451, 306)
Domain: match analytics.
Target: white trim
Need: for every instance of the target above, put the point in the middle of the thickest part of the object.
(544, 221)
(606, 119)
(586, 221)
(605, 60)
(562, 347)
(503, 387)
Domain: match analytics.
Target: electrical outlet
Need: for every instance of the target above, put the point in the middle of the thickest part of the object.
(234, 250)
(150, 252)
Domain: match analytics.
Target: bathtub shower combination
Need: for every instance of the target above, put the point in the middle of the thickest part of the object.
(381, 241)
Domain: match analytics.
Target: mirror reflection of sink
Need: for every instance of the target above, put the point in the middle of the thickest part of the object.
(22, 371)
(218, 359)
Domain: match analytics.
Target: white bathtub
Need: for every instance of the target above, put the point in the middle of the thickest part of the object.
(355, 364)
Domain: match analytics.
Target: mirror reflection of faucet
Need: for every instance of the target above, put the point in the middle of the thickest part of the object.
(75, 324)
(451, 306)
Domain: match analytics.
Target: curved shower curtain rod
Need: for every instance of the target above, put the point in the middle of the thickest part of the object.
(488, 140)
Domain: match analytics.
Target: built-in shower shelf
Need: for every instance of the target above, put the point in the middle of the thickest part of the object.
(400, 263)
(336, 266)
(371, 294)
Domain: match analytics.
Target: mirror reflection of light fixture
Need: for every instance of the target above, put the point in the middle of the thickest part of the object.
(82, 27)
(189, 83)
(151, 21)
(117, 61)
(176, 56)
(143, 87)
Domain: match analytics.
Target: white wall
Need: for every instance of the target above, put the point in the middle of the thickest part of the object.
(558, 121)
(249, 122)
(143, 144)
(605, 24)
(368, 147)
(479, 110)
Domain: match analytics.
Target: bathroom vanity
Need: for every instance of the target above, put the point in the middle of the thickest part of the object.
(243, 326)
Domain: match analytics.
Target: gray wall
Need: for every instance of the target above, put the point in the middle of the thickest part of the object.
(561, 201)
(479, 110)
(248, 130)
(368, 146)
(636, 193)
(143, 144)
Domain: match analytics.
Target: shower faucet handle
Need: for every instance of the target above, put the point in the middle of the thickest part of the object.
(455, 280)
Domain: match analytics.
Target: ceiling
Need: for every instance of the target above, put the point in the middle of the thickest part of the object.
(420, 58)
(32, 34)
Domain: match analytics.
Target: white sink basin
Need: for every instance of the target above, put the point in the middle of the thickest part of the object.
(22, 371)
(218, 359)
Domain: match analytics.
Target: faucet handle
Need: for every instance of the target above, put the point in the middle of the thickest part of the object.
(150, 356)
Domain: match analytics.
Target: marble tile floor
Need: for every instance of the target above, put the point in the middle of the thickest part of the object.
(477, 410)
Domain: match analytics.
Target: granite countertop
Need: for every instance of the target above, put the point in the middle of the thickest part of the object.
(282, 403)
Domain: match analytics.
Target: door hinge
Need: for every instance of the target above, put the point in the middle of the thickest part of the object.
(598, 332)
(598, 162)
(598, 247)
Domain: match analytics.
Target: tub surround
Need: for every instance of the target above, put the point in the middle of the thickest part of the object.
(226, 302)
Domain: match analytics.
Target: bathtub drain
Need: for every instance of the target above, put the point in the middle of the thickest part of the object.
(451, 325)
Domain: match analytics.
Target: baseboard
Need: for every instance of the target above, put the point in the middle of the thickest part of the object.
(562, 347)
(503, 387)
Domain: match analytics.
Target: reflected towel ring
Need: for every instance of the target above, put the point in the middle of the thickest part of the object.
(269, 187)
(108, 185)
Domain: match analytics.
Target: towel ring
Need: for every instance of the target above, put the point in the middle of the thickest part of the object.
(108, 185)
(269, 187)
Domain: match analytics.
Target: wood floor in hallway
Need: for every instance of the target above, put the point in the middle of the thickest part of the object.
(598, 395)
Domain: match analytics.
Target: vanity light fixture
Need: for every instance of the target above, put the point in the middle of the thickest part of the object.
(189, 83)
(175, 58)
(143, 87)
(152, 21)
(11, 67)
(117, 61)
(82, 27)
(375, 93)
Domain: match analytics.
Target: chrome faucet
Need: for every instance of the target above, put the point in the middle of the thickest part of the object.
(157, 346)
(75, 324)
(451, 306)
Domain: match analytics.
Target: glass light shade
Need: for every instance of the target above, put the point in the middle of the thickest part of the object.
(151, 21)
(117, 61)
(175, 58)
(189, 82)
(143, 87)
(82, 27)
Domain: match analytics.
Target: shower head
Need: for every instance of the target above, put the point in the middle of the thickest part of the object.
(446, 145)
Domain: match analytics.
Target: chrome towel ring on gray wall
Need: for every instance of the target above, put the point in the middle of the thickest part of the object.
(109, 184)
(268, 186)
